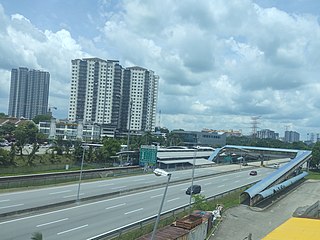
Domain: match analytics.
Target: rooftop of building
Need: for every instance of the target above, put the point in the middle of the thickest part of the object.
(296, 229)
(13, 120)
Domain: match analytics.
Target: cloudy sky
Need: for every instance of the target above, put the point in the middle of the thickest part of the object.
(220, 62)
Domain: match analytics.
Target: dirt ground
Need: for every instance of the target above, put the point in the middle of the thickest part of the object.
(239, 222)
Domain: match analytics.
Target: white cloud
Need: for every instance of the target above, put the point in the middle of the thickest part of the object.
(25, 45)
(220, 62)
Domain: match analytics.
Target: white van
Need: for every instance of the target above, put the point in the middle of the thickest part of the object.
(276, 165)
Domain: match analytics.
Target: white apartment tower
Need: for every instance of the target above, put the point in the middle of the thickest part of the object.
(143, 95)
(95, 91)
(103, 92)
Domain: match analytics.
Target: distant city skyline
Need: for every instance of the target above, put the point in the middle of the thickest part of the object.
(220, 62)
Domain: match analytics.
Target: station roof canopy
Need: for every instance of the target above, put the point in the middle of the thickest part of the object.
(182, 155)
(198, 161)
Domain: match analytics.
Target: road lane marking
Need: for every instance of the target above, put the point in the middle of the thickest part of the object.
(122, 204)
(105, 185)
(134, 211)
(60, 192)
(48, 223)
(221, 186)
(237, 181)
(72, 229)
(174, 199)
(74, 195)
(119, 187)
(5, 200)
(159, 195)
(207, 183)
(16, 205)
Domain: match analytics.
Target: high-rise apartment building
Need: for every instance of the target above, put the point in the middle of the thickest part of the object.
(267, 133)
(140, 95)
(291, 136)
(95, 91)
(29, 93)
(104, 92)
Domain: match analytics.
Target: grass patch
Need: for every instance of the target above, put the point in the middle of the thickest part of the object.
(313, 175)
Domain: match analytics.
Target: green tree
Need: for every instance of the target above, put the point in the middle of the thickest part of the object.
(78, 150)
(41, 118)
(6, 131)
(173, 139)
(200, 202)
(315, 155)
(58, 145)
(4, 157)
(27, 133)
(110, 148)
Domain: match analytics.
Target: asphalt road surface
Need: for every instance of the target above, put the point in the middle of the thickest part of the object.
(17, 201)
(87, 220)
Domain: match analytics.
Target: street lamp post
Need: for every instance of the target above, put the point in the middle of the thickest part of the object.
(80, 176)
(160, 172)
(192, 177)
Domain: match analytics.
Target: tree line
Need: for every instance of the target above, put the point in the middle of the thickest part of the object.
(61, 150)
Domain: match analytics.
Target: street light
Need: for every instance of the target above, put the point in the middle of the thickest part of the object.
(160, 172)
(194, 163)
(80, 177)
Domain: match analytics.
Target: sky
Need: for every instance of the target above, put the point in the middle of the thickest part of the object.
(221, 63)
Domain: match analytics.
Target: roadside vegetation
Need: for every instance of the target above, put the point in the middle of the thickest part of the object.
(20, 147)
(314, 174)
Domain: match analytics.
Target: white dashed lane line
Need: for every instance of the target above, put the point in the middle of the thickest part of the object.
(156, 196)
(137, 210)
(10, 206)
(72, 229)
(115, 206)
(174, 199)
(53, 193)
(48, 223)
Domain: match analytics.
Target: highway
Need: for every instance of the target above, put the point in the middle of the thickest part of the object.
(18, 201)
(86, 220)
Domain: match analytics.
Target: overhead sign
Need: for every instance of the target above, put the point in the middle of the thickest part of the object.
(148, 155)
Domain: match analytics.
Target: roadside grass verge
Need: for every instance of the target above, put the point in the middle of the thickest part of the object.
(313, 175)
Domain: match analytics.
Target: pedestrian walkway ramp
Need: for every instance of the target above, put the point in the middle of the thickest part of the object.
(278, 180)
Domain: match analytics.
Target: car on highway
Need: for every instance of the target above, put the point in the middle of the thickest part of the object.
(276, 165)
(253, 173)
(195, 189)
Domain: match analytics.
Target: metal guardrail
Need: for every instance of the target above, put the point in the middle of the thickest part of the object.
(115, 233)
